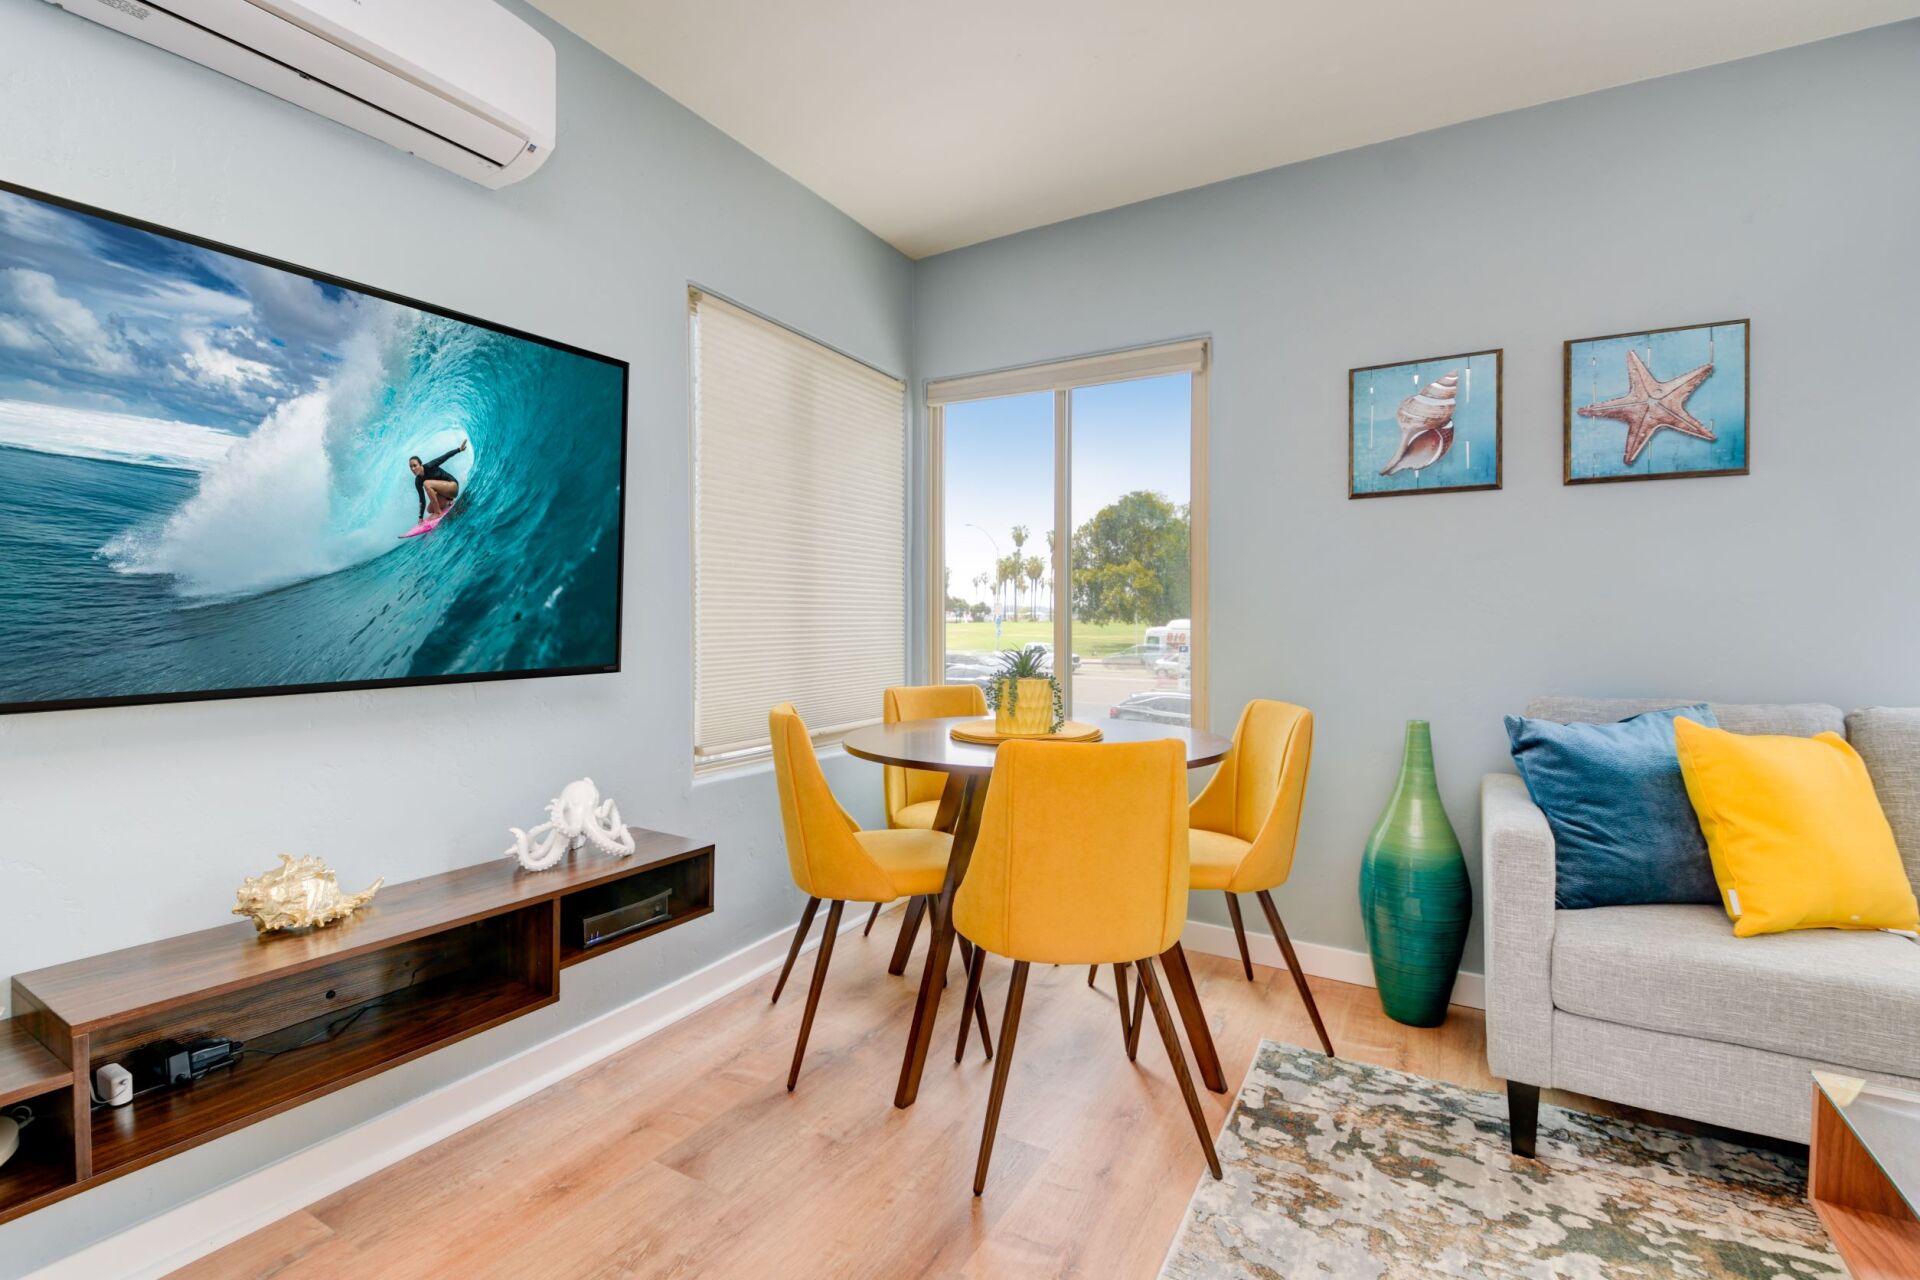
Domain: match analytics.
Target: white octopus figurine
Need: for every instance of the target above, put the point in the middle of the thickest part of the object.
(575, 818)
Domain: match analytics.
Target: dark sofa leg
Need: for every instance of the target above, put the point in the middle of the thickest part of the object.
(1523, 1115)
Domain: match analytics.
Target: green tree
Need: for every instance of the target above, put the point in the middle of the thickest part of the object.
(1019, 535)
(1006, 569)
(1131, 562)
(1036, 569)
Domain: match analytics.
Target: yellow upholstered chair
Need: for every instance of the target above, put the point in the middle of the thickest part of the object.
(1081, 859)
(833, 859)
(913, 795)
(1243, 824)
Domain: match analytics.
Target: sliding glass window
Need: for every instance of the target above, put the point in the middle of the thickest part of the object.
(1066, 516)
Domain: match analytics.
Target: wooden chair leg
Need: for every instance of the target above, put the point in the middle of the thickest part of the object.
(1164, 1020)
(820, 961)
(1133, 1028)
(1092, 971)
(1009, 1029)
(1126, 1025)
(975, 968)
(909, 926)
(871, 917)
(976, 1005)
(793, 952)
(1240, 933)
(1293, 966)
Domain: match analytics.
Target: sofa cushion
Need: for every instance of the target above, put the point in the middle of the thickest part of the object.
(1888, 739)
(1843, 997)
(1803, 719)
(1624, 831)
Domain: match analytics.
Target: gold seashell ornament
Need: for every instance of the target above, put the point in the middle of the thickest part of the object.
(300, 893)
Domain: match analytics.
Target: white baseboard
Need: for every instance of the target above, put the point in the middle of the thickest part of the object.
(180, 1235)
(190, 1231)
(1338, 963)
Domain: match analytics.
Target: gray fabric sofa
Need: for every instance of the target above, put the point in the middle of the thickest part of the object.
(1662, 1007)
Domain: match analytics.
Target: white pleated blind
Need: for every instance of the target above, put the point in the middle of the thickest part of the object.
(800, 525)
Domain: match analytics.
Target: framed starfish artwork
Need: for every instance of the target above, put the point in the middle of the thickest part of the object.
(1661, 404)
(1424, 426)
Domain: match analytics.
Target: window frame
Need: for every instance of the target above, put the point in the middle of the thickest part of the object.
(829, 737)
(1193, 356)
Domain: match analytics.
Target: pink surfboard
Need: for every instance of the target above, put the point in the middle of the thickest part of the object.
(429, 524)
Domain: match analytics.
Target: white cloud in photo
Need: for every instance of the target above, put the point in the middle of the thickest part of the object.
(221, 365)
(38, 316)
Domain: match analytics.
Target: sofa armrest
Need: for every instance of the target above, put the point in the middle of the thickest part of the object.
(1516, 852)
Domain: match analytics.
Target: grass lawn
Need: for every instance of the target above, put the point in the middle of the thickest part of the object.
(1090, 640)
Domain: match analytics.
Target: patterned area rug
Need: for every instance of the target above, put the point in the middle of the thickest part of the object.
(1335, 1170)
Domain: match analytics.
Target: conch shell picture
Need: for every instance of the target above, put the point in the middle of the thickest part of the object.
(300, 893)
(1426, 426)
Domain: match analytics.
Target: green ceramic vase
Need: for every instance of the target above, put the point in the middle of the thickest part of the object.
(1414, 893)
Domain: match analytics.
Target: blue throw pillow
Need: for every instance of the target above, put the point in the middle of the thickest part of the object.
(1624, 831)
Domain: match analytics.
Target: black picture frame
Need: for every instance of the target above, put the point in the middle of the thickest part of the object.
(386, 295)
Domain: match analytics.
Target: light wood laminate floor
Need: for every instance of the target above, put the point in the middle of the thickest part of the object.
(684, 1155)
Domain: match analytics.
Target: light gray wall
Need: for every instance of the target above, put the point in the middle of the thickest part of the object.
(127, 825)
(1783, 188)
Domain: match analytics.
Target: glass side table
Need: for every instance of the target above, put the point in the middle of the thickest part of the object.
(1864, 1174)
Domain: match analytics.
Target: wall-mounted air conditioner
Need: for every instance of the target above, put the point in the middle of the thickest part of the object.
(461, 83)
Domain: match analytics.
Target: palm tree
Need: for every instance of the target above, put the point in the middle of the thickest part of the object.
(1036, 570)
(1019, 565)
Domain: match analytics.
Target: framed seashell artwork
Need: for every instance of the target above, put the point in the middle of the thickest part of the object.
(1424, 426)
(1661, 404)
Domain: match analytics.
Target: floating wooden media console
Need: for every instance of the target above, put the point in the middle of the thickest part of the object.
(429, 962)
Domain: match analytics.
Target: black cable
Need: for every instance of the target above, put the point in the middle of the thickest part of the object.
(335, 1028)
(329, 1032)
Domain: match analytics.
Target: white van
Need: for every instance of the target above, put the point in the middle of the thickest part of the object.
(1175, 637)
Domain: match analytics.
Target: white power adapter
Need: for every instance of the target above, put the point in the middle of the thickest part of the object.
(113, 1085)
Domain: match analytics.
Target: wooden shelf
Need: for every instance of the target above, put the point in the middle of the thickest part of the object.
(380, 1036)
(688, 878)
(194, 966)
(26, 1067)
(427, 963)
(40, 1172)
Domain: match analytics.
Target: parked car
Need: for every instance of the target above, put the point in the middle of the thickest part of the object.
(983, 668)
(1140, 655)
(1157, 707)
(1173, 665)
(1048, 650)
(972, 668)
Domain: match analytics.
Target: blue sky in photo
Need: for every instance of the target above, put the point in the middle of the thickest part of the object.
(1377, 396)
(998, 468)
(99, 319)
(1599, 372)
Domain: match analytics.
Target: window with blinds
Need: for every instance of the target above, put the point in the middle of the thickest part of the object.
(799, 531)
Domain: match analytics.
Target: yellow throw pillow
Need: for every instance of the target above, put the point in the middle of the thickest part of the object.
(1797, 837)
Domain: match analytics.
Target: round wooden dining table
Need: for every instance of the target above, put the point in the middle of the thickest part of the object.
(929, 744)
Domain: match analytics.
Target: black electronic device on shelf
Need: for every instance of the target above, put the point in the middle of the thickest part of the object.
(171, 1062)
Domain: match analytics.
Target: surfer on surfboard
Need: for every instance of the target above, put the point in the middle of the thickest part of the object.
(434, 485)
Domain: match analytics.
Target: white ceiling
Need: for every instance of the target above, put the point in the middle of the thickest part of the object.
(942, 124)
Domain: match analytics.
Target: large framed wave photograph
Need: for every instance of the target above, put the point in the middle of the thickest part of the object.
(226, 476)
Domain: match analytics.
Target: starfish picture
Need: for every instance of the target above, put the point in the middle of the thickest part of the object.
(1650, 404)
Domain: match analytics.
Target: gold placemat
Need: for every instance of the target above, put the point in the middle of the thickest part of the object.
(983, 732)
